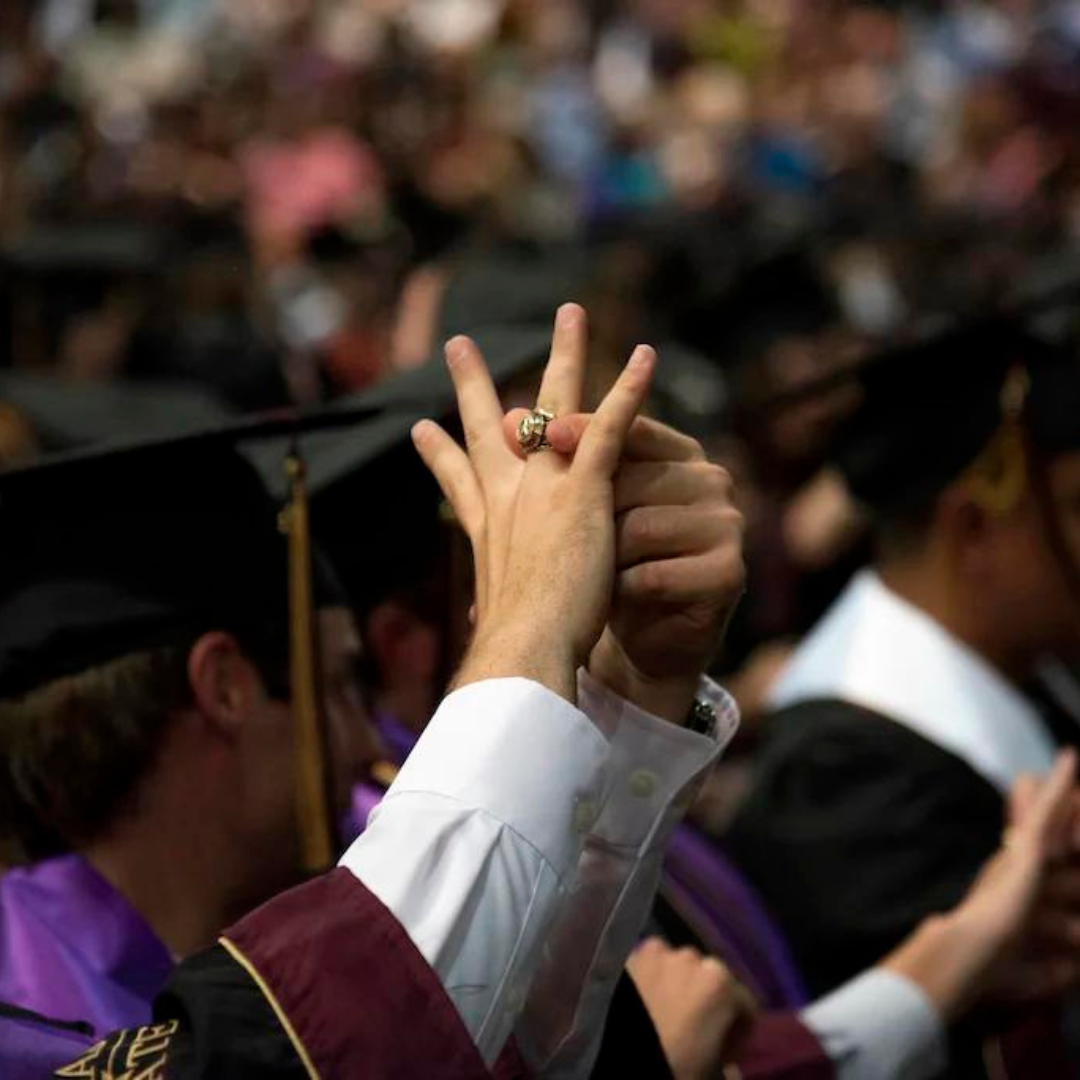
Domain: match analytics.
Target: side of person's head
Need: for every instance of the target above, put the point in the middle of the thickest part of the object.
(79, 749)
(969, 507)
(144, 654)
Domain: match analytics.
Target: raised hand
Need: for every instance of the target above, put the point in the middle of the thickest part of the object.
(1027, 898)
(679, 563)
(542, 529)
(1014, 937)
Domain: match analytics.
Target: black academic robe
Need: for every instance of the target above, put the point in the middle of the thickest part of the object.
(855, 829)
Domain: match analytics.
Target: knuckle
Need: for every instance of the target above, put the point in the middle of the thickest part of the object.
(640, 527)
(648, 579)
(717, 969)
(715, 480)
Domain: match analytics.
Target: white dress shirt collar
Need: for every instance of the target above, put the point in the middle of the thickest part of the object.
(876, 650)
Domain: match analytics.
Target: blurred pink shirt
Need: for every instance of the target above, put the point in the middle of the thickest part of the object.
(326, 176)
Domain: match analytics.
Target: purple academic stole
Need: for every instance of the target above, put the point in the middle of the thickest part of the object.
(715, 901)
(72, 947)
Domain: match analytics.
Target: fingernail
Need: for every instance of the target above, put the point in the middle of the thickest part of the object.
(453, 350)
(420, 431)
(641, 357)
(567, 314)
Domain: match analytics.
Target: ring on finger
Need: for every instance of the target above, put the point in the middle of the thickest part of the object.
(532, 430)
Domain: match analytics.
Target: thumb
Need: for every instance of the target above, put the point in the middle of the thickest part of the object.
(453, 472)
(1046, 809)
(1022, 796)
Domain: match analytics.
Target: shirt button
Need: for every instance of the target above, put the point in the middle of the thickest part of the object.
(642, 783)
(584, 815)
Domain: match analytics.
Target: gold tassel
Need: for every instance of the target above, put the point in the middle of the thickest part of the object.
(998, 477)
(313, 803)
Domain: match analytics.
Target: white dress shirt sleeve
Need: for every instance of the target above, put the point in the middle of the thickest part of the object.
(879, 1026)
(653, 770)
(479, 838)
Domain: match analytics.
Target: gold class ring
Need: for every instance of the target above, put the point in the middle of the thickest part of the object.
(532, 430)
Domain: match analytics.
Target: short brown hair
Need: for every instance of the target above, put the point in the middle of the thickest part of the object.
(74, 750)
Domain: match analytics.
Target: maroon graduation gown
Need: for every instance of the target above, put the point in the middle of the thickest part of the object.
(321, 981)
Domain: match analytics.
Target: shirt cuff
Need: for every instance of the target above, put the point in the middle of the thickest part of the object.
(877, 1026)
(521, 754)
(652, 762)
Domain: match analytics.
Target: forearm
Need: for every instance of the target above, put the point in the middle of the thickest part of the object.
(541, 655)
(891, 1020)
(946, 957)
(478, 839)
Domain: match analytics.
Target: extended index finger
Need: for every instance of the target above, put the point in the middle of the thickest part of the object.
(602, 444)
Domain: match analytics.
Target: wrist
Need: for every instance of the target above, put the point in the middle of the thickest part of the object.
(947, 957)
(669, 697)
(510, 650)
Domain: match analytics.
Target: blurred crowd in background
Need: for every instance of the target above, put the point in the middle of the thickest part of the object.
(285, 201)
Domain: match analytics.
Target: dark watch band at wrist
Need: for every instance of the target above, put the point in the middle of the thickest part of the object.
(701, 718)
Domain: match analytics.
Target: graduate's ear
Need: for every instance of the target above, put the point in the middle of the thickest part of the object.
(970, 526)
(224, 682)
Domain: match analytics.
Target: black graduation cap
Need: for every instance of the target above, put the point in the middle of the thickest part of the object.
(512, 286)
(124, 547)
(87, 249)
(784, 294)
(127, 545)
(376, 510)
(152, 501)
(944, 401)
(109, 552)
(67, 415)
(929, 410)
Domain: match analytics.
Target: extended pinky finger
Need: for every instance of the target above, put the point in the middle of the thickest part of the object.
(453, 471)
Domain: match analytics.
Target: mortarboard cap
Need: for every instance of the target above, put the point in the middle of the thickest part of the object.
(86, 249)
(512, 287)
(122, 546)
(68, 415)
(783, 296)
(929, 409)
(132, 540)
(780, 296)
(376, 510)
